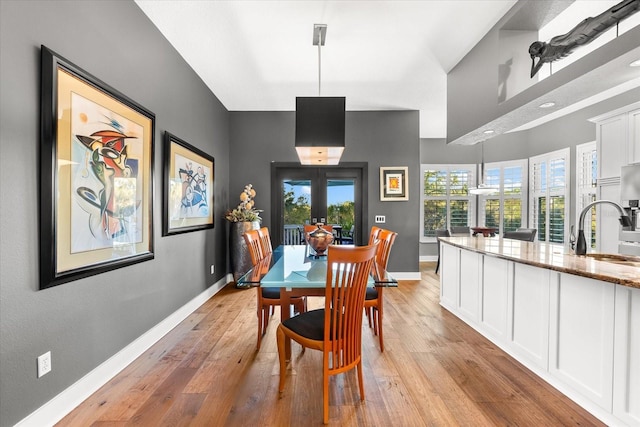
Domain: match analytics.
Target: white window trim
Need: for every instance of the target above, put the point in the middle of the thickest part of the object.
(472, 199)
(582, 189)
(523, 196)
(565, 154)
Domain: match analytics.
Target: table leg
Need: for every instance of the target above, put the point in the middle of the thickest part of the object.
(285, 313)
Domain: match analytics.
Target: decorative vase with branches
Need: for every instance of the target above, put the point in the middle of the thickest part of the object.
(243, 218)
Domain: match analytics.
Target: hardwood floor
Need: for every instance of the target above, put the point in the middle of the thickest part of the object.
(435, 371)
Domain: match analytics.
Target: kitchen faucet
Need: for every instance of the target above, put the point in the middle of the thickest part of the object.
(581, 246)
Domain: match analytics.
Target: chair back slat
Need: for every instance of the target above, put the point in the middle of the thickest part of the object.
(385, 239)
(373, 234)
(252, 239)
(265, 241)
(347, 274)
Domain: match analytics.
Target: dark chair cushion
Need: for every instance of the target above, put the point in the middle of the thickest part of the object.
(309, 325)
(372, 293)
(271, 293)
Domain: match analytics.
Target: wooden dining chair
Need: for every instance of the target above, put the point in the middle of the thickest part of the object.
(268, 298)
(373, 234)
(265, 241)
(335, 330)
(373, 306)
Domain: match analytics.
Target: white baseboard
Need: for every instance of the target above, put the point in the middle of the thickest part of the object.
(428, 258)
(58, 407)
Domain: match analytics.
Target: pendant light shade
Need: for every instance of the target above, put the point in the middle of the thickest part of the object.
(320, 121)
(483, 189)
(320, 129)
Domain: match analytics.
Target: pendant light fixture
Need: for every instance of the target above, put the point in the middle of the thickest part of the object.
(320, 121)
(482, 189)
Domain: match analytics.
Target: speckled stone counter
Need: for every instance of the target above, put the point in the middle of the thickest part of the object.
(551, 256)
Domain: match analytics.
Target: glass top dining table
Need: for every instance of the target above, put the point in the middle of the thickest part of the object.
(296, 271)
(296, 267)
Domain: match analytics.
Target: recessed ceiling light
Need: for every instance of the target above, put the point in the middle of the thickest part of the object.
(635, 63)
(548, 104)
(489, 131)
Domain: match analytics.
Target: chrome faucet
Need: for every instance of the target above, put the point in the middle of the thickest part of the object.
(581, 247)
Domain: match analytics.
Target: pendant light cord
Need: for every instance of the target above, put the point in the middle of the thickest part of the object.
(319, 68)
(482, 163)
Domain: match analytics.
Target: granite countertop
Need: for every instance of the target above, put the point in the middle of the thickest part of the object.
(552, 256)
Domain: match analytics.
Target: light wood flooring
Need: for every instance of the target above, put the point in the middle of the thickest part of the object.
(435, 371)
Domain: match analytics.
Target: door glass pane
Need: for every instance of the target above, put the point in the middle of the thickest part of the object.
(341, 205)
(296, 199)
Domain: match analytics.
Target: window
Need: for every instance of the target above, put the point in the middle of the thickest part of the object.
(507, 209)
(549, 195)
(445, 198)
(586, 180)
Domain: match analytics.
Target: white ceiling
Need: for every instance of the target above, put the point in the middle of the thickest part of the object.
(381, 55)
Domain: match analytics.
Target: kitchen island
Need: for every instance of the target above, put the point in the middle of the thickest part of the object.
(572, 320)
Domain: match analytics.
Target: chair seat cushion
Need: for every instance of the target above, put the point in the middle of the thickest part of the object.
(372, 293)
(309, 325)
(271, 293)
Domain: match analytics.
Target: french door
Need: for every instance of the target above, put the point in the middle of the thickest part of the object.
(308, 195)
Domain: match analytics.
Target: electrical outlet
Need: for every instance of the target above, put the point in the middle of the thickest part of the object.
(213, 268)
(380, 219)
(44, 364)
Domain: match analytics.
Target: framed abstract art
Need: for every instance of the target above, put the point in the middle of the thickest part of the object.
(96, 182)
(188, 187)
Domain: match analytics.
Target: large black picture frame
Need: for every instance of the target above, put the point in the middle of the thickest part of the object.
(96, 175)
(187, 187)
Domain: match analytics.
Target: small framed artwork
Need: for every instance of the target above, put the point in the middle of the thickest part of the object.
(394, 184)
(96, 175)
(188, 187)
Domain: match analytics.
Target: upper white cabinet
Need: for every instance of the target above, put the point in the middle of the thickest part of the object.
(618, 140)
(611, 140)
(618, 145)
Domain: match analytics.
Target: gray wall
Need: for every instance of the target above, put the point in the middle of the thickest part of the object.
(87, 321)
(568, 131)
(381, 138)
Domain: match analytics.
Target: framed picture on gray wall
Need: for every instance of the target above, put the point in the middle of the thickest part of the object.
(393, 183)
(188, 187)
(96, 182)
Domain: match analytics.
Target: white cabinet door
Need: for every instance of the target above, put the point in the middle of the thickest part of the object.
(608, 224)
(528, 319)
(469, 293)
(581, 336)
(494, 297)
(611, 137)
(626, 374)
(449, 276)
(634, 136)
